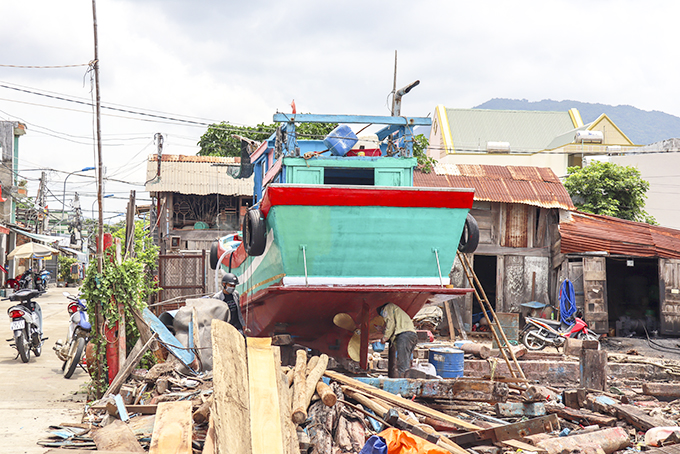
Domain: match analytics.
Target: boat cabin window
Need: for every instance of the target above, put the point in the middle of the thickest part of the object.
(353, 176)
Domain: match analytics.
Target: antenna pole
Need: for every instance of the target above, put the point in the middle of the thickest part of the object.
(394, 84)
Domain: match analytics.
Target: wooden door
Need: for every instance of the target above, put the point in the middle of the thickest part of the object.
(575, 275)
(595, 311)
(669, 295)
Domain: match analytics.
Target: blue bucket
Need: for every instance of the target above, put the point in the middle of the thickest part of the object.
(449, 362)
(340, 140)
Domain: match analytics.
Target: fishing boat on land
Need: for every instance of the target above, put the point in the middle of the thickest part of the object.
(336, 231)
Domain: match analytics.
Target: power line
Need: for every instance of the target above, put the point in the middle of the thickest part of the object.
(47, 67)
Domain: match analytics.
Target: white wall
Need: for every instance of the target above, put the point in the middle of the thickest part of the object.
(662, 171)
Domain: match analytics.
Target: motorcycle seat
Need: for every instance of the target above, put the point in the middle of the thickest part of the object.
(24, 295)
(554, 323)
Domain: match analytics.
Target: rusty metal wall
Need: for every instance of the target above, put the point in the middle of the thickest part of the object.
(516, 234)
(180, 275)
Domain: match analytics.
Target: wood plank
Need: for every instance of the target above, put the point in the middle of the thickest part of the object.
(290, 439)
(173, 429)
(230, 388)
(521, 446)
(581, 416)
(116, 436)
(143, 409)
(593, 369)
(670, 390)
(87, 451)
(400, 401)
(265, 417)
(639, 418)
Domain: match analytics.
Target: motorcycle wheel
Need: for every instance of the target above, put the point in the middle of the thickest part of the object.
(76, 352)
(37, 349)
(585, 335)
(531, 341)
(23, 345)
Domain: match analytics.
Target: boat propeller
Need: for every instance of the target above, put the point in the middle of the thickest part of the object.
(346, 322)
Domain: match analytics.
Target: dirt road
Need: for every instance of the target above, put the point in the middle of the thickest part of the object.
(35, 395)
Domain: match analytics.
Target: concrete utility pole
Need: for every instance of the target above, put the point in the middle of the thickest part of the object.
(40, 204)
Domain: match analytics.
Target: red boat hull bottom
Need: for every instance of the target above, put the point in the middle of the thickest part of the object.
(307, 312)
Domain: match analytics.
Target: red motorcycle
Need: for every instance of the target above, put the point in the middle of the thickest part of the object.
(540, 332)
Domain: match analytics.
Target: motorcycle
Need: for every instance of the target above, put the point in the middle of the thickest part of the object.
(41, 280)
(79, 330)
(22, 281)
(540, 332)
(26, 323)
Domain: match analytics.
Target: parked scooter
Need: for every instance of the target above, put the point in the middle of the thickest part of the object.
(26, 323)
(79, 329)
(22, 281)
(41, 280)
(540, 332)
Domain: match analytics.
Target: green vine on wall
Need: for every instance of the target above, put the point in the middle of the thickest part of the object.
(131, 283)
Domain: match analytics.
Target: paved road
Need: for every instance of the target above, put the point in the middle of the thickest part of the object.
(35, 395)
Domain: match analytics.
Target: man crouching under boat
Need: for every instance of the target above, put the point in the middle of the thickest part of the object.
(401, 333)
(229, 295)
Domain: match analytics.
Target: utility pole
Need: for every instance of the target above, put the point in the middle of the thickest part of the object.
(100, 182)
(40, 204)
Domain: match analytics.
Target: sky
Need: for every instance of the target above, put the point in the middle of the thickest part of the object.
(204, 61)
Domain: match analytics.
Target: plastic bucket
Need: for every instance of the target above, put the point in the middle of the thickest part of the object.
(340, 140)
(449, 362)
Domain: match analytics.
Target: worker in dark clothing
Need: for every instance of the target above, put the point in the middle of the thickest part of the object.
(401, 333)
(229, 295)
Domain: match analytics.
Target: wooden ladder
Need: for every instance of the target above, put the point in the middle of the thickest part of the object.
(496, 329)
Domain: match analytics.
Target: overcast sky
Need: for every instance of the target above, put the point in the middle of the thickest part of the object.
(240, 62)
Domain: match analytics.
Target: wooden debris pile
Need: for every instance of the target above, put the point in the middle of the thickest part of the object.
(251, 404)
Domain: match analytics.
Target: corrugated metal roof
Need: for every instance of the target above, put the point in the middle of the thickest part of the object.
(587, 232)
(536, 186)
(526, 131)
(196, 175)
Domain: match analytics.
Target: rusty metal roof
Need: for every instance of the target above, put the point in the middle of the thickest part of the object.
(195, 175)
(536, 186)
(586, 232)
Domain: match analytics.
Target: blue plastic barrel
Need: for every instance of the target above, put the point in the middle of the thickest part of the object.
(340, 140)
(449, 362)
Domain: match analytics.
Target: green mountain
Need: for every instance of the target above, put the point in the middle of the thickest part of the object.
(641, 126)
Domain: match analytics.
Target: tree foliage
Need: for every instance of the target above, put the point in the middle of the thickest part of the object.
(218, 140)
(609, 189)
(131, 282)
(425, 163)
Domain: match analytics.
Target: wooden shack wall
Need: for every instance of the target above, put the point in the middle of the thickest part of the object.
(522, 273)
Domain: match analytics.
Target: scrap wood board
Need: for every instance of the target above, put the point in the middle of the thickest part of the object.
(116, 436)
(173, 429)
(400, 401)
(231, 406)
(265, 416)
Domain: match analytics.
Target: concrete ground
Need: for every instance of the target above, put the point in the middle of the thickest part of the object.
(35, 395)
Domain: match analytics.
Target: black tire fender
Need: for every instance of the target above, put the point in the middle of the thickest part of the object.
(254, 233)
(470, 237)
(214, 254)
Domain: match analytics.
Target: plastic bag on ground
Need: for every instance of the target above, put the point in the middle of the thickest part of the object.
(374, 445)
